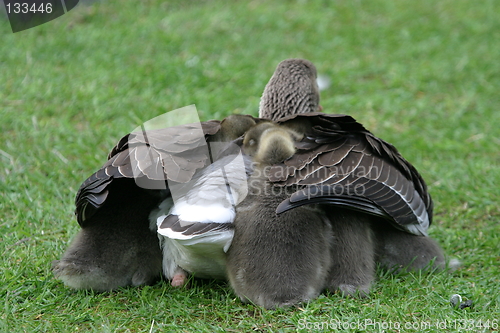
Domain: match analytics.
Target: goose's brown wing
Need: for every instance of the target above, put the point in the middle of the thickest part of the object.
(145, 158)
(175, 228)
(340, 162)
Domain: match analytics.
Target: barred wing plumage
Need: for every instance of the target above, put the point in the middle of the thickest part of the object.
(340, 162)
(147, 156)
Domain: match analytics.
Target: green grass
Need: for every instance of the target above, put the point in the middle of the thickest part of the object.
(423, 75)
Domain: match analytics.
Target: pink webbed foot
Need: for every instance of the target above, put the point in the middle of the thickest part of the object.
(180, 278)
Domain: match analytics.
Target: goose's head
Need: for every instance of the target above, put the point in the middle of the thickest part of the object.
(269, 143)
(291, 90)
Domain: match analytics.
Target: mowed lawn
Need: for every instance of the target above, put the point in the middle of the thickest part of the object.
(423, 75)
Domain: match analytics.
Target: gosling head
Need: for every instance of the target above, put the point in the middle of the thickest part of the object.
(235, 125)
(269, 143)
(291, 90)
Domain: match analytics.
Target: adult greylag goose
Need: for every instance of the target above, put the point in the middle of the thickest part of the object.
(117, 244)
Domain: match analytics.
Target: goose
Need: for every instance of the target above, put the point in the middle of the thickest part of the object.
(118, 245)
(276, 260)
(115, 246)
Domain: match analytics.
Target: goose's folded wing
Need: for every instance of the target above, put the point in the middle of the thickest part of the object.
(152, 158)
(355, 203)
(339, 162)
(192, 233)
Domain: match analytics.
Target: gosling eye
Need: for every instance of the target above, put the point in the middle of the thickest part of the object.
(252, 142)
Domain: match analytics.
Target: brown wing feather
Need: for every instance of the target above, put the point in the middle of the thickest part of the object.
(192, 228)
(146, 156)
(364, 167)
(154, 156)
